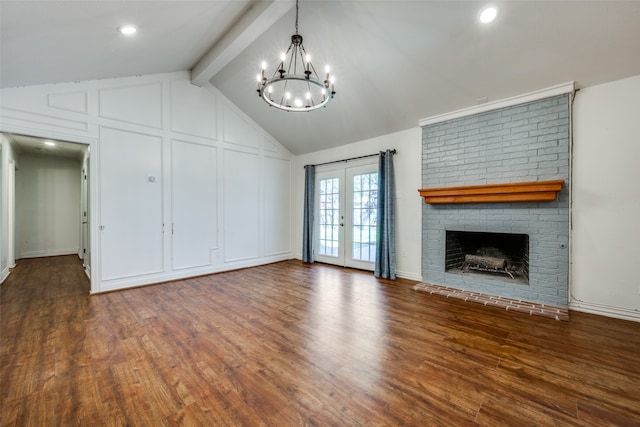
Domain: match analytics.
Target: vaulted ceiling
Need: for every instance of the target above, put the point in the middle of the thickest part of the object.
(395, 61)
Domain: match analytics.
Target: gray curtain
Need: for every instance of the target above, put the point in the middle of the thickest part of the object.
(386, 239)
(307, 225)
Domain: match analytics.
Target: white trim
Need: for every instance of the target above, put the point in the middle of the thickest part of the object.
(152, 279)
(48, 252)
(408, 275)
(606, 310)
(502, 103)
(4, 274)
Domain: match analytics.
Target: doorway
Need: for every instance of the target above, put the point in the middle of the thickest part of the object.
(53, 203)
(7, 210)
(346, 212)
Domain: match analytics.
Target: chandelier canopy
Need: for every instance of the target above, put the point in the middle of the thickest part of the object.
(295, 84)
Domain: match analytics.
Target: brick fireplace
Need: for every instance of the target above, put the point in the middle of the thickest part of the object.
(522, 143)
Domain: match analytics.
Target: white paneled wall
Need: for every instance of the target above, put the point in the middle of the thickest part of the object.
(139, 104)
(242, 205)
(277, 206)
(238, 131)
(187, 98)
(183, 183)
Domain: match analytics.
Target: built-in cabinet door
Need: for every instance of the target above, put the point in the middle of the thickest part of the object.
(194, 188)
(346, 216)
(131, 221)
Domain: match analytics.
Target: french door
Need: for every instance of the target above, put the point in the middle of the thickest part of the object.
(346, 216)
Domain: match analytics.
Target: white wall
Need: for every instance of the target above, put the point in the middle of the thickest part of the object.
(7, 158)
(606, 200)
(47, 206)
(183, 182)
(407, 167)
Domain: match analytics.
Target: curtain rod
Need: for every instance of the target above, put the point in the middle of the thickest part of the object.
(353, 158)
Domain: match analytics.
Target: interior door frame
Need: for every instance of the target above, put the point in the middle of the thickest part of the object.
(11, 214)
(93, 178)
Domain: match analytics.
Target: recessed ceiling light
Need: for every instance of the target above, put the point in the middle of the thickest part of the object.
(127, 30)
(50, 143)
(488, 14)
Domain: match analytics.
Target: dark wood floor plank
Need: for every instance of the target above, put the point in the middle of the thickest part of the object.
(504, 410)
(293, 344)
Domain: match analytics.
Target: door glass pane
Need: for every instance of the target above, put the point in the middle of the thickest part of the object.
(364, 224)
(329, 220)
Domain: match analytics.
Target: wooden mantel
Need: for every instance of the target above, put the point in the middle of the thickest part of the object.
(539, 191)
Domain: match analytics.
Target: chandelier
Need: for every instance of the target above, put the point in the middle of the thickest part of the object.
(295, 84)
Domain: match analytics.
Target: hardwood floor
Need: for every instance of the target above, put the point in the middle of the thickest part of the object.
(290, 344)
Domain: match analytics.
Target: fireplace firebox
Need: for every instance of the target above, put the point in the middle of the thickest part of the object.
(503, 256)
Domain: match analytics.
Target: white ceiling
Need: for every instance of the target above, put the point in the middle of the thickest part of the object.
(33, 146)
(395, 61)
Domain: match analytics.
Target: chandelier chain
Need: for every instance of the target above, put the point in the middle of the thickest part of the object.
(297, 16)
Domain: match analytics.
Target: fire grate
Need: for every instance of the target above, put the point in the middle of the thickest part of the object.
(487, 264)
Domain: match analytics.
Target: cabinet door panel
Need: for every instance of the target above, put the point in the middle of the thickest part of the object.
(130, 204)
(194, 204)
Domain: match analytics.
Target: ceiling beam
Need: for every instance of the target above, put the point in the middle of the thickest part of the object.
(255, 21)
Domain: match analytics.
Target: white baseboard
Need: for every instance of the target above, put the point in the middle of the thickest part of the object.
(606, 310)
(4, 274)
(410, 276)
(48, 252)
(150, 279)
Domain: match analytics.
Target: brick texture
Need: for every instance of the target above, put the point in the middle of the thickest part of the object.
(519, 306)
(528, 142)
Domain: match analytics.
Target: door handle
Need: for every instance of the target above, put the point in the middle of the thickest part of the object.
(84, 222)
